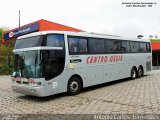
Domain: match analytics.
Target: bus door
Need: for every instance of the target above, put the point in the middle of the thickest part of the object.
(53, 65)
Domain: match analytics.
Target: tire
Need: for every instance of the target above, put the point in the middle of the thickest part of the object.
(133, 73)
(74, 86)
(140, 72)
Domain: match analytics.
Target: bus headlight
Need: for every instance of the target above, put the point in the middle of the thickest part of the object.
(34, 83)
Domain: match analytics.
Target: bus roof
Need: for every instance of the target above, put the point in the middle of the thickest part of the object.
(83, 34)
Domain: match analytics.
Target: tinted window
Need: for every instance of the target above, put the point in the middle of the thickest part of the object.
(83, 45)
(77, 44)
(109, 45)
(117, 46)
(50, 59)
(54, 40)
(125, 46)
(134, 46)
(29, 42)
(92, 44)
(148, 47)
(113, 46)
(142, 47)
(96, 45)
(100, 45)
(73, 44)
(128, 47)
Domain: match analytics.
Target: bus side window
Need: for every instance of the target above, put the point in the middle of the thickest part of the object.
(134, 46)
(128, 49)
(55, 40)
(143, 47)
(125, 46)
(51, 67)
(115, 46)
(73, 44)
(83, 45)
(109, 45)
(96, 45)
(100, 45)
(92, 45)
(148, 47)
(50, 60)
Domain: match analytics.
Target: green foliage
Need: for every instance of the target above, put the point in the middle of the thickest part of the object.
(155, 40)
(1, 33)
(5, 69)
(5, 51)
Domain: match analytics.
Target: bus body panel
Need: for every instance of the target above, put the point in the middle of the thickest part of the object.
(97, 73)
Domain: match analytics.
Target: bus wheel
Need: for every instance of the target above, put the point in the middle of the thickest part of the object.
(140, 72)
(74, 86)
(133, 73)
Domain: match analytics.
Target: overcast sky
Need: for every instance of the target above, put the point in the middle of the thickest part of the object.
(101, 16)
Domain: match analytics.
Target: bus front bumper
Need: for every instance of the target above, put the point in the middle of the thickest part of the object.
(29, 90)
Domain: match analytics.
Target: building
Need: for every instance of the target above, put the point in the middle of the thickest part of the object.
(10, 36)
(155, 52)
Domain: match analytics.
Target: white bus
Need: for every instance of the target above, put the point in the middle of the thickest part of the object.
(52, 62)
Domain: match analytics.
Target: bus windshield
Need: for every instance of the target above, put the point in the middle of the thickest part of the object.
(29, 42)
(27, 61)
(27, 64)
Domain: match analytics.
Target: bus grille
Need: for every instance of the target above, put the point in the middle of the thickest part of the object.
(148, 66)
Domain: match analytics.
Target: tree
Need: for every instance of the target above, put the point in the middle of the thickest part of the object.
(156, 36)
(140, 36)
(151, 36)
(1, 33)
(5, 50)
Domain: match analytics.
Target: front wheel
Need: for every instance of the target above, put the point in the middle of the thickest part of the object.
(133, 73)
(74, 86)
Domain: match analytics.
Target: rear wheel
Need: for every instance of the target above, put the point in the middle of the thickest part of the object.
(74, 86)
(133, 73)
(140, 72)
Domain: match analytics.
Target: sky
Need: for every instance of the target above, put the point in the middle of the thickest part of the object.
(99, 16)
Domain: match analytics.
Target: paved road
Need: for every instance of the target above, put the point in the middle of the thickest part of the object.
(125, 97)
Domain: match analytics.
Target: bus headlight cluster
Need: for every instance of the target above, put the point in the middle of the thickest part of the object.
(34, 83)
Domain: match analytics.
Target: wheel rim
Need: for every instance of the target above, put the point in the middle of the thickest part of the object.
(74, 86)
(140, 72)
(134, 74)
